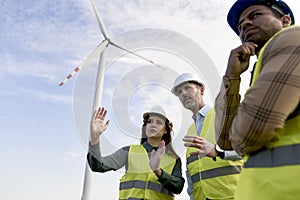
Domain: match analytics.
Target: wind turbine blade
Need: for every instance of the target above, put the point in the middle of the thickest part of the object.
(142, 57)
(100, 23)
(95, 52)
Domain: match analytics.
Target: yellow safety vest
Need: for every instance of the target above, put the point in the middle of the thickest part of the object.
(274, 173)
(211, 179)
(139, 181)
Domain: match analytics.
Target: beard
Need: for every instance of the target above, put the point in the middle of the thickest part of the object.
(260, 37)
(189, 104)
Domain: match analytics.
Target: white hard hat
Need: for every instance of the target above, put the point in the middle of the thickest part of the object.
(185, 77)
(158, 110)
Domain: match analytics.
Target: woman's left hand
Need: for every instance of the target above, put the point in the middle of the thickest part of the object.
(156, 156)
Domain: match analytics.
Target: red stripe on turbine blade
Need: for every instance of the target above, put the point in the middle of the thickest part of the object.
(70, 76)
(77, 69)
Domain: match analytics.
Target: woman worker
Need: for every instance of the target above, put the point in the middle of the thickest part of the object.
(153, 169)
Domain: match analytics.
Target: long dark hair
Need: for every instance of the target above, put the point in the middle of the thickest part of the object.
(167, 137)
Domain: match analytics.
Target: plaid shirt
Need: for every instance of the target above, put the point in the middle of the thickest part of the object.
(250, 125)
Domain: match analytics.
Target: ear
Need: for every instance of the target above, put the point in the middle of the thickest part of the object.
(202, 90)
(286, 20)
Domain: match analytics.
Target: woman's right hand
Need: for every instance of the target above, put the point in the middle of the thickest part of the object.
(97, 125)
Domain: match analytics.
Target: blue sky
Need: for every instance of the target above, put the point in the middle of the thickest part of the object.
(44, 128)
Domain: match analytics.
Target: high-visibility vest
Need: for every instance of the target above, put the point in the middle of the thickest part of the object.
(211, 179)
(273, 173)
(139, 181)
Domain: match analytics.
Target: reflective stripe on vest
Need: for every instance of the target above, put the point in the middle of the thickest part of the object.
(191, 159)
(275, 157)
(159, 188)
(216, 172)
(270, 174)
(211, 179)
(139, 181)
(142, 185)
(278, 152)
(132, 184)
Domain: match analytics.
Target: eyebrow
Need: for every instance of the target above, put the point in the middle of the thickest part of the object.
(249, 14)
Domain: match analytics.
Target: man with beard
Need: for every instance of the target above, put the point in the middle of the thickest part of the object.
(207, 178)
(265, 126)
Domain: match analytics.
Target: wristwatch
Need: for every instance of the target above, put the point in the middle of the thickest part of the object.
(220, 152)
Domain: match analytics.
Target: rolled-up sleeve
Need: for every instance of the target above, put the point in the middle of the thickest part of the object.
(226, 105)
(267, 104)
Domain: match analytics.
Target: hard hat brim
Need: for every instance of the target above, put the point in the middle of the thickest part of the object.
(173, 90)
(239, 6)
(154, 113)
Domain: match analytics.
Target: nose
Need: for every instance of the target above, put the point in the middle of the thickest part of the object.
(244, 24)
(183, 93)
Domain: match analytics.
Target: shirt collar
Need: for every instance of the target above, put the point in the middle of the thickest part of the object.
(202, 112)
(148, 146)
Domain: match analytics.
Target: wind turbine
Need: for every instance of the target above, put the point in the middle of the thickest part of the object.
(102, 46)
(99, 50)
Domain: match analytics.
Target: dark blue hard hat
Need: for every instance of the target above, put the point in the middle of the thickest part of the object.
(240, 5)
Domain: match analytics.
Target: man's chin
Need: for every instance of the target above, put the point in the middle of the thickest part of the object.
(251, 38)
(188, 106)
(248, 40)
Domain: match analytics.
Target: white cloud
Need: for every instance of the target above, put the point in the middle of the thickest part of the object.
(43, 96)
(72, 155)
(48, 39)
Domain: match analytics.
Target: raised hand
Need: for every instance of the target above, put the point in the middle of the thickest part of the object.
(156, 156)
(239, 59)
(205, 147)
(97, 126)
